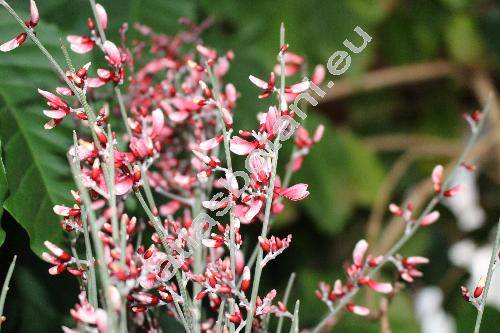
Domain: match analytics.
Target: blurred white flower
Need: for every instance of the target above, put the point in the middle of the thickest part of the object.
(430, 313)
(465, 207)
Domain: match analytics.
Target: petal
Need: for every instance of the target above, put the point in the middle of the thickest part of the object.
(158, 122)
(56, 250)
(61, 210)
(205, 51)
(208, 242)
(231, 93)
(13, 43)
(123, 185)
(299, 87)
(54, 114)
(82, 48)
(259, 83)
(65, 91)
(359, 252)
(430, 218)
(416, 260)
(34, 15)
(296, 192)
(210, 143)
(102, 15)
(380, 287)
(437, 177)
(318, 75)
(294, 58)
(318, 134)
(254, 209)
(114, 55)
(357, 309)
(95, 82)
(451, 192)
(240, 146)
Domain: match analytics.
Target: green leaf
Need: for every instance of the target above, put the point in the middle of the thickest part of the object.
(341, 172)
(3, 192)
(34, 158)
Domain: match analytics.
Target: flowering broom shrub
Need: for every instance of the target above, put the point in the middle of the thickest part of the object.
(175, 158)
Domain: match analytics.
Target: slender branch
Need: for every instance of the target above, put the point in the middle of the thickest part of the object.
(407, 236)
(285, 299)
(87, 203)
(225, 134)
(269, 198)
(294, 328)
(161, 234)
(5, 289)
(117, 90)
(491, 268)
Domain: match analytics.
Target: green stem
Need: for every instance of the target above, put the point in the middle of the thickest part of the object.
(101, 261)
(285, 299)
(5, 287)
(187, 305)
(269, 199)
(225, 135)
(491, 269)
(117, 90)
(294, 328)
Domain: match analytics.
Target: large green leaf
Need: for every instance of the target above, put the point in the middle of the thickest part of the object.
(34, 158)
(341, 173)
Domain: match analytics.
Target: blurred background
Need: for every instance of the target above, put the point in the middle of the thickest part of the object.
(389, 119)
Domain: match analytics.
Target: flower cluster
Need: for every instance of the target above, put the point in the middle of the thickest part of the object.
(178, 114)
(180, 252)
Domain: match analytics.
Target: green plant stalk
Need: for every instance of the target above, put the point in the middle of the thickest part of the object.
(294, 328)
(407, 236)
(111, 188)
(5, 288)
(117, 89)
(92, 281)
(198, 263)
(187, 305)
(220, 317)
(269, 198)
(491, 270)
(87, 202)
(227, 151)
(147, 188)
(285, 299)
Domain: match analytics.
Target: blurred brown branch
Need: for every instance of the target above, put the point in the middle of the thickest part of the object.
(391, 77)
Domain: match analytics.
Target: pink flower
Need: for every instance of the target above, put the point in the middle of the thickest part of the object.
(437, 177)
(240, 146)
(113, 55)
(296, 192)
(453, 191)
(31, 24)
(211, 143)
(102, 16)
(380, 287)
(430, 218)
(359, 252)
(357, 309)
(298, 88)
(34, 15)
(80, 44)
